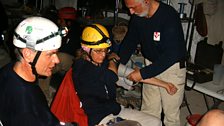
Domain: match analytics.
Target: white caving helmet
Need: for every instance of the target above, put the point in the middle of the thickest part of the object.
(38, 33)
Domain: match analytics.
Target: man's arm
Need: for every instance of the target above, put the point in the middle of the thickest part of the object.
(130, 42)
(173, 48)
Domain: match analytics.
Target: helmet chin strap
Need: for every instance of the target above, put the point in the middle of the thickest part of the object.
(33, 64)
(34, 71)
(91, 59)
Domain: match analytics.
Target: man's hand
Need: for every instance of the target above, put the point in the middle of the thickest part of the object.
(135, 75)
(171, 89)
(113, 55)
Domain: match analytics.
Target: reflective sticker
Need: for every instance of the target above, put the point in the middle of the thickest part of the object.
(29, 29)
(156, 36)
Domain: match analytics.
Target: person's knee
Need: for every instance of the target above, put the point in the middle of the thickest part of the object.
(212, 118)
(158, 122)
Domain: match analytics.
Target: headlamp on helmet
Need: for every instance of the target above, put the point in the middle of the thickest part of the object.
(38, 33)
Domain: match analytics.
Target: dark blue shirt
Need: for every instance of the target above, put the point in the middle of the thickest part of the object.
(96, 88)
(22, 103)
(161, 38)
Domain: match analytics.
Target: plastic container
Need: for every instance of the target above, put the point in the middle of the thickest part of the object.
(218, 74)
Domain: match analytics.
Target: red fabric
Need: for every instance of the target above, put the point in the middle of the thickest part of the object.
(66, 103)
(194, 119)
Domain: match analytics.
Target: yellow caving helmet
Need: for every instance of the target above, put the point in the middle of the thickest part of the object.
(95, 36)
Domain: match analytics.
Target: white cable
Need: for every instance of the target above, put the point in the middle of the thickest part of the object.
(1, 123)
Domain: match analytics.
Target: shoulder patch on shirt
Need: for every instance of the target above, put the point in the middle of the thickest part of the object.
(156, 36)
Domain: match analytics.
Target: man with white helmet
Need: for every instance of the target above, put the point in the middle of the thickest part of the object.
(22, 103)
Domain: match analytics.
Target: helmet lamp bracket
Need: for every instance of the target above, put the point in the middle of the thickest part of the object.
(62, 32)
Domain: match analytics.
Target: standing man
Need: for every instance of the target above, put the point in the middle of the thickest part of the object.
(22, 102)
(157, 28)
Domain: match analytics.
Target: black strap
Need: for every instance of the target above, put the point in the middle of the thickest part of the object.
(105, 39)
(18, 37)
(95, 27)
(34, 63)
(182, 64)
(62, 32)
(194, 83)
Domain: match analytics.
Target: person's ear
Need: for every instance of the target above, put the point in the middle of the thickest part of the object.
(28, 54)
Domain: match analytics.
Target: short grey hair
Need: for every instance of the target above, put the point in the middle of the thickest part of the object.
(18, 54)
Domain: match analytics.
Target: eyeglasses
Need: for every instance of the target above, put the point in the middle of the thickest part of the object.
(101, 51)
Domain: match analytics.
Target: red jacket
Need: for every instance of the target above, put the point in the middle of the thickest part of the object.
(66, 105)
